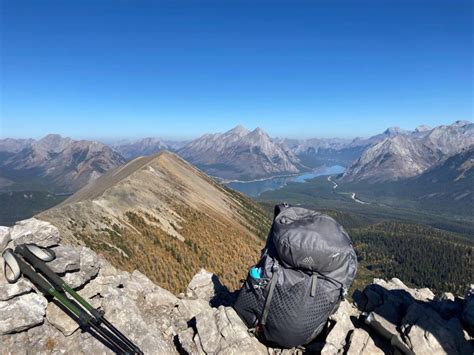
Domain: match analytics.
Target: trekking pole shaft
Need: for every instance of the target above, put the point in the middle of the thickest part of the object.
(98, 316)
(60, 285)
(81, 300)
(46, 288)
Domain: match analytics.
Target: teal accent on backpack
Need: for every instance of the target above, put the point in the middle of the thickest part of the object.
(255, 273)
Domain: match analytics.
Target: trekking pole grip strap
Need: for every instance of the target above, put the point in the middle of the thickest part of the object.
(39, 264)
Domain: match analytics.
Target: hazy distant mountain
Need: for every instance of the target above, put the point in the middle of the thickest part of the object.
(315, 152)
(164, 216)
(410, 154)
(456, 170)
(445, 188)
(145, 146)
(58, 163)
(241, 154)
(131, 149)
(12, 145)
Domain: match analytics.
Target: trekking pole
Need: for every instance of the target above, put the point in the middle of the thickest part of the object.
(27, 251)
(17, 266)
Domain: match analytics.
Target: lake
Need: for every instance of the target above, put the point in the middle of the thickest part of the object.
(255, 188)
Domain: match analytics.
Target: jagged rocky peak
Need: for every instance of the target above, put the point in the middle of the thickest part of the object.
(238, 130)
(387, 317)
(394, 131)
(240, 154)
(461, 123)
(145, 146)
(422, 128)
(402, 156)
(60, 163)
(14, 145)
(259, 131)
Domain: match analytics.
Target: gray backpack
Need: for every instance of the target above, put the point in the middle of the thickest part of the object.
(305, 270)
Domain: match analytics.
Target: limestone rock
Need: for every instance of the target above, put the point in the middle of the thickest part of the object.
(222, 331)
(67, 258)
(89, 267)
(21, 313)
(4, 237)
(428, 333)
(8, 291)
(381, 324)
(189, 308)
(186, 340)
(109, 275)
(361, 343)
(126, 316)
(423, 294)
(205, 285)
(46, 339)
(35, 231)
(336, 339)
(138, 285)
(60, 320)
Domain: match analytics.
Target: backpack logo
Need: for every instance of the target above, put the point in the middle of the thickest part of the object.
(308, 260)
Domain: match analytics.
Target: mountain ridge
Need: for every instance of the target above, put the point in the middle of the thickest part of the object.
(168, 207)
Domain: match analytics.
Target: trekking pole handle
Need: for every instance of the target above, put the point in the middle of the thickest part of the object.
(40, 265)
(46, 288)
(26, 270)
(58, 282)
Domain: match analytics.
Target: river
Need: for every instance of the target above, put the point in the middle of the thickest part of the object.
(255, 188)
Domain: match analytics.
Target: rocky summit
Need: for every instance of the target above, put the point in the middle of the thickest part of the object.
(387, 317)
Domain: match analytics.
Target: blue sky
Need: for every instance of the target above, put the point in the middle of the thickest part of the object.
(178, 69)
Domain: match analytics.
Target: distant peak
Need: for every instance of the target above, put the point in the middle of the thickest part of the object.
(393, 129)
(460, 123)
(422, 128)
(239, 130)
(259, 131)
(51, 136)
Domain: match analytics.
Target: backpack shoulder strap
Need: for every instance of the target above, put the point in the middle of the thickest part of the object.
(271, 288)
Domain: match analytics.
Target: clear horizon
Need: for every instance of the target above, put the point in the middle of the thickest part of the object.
(108, 70)
(170, 139)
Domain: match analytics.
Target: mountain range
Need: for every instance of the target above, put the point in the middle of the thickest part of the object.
(54, 163)
(64, 164)
(389, 161)
(446, 187)
(408, 154)
(240, 154)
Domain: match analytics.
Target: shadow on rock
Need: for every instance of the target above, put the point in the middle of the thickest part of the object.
(414, 321)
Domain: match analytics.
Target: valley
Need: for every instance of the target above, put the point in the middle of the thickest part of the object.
(395, 192)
